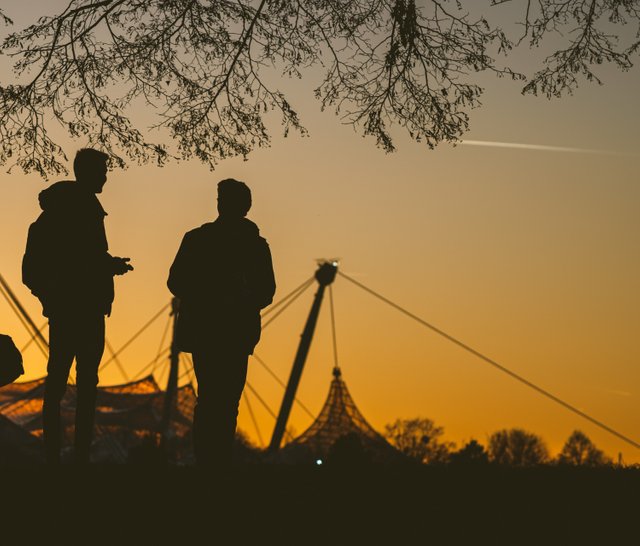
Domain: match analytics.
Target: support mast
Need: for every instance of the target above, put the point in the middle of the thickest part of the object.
(325, 275)
(172, 382)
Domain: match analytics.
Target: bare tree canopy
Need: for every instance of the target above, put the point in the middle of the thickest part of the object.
(472, 453)
(579, 450)
(517, 447)
(207, 70)
(419, 439)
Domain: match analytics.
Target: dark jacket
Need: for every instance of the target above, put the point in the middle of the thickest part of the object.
(223, 276)
(66, 264)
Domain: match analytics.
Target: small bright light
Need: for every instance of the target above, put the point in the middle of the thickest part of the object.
(335, 264)
(319, 462)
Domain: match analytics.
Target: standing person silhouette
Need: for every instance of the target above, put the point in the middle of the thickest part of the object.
(67, 266)
(223, 276)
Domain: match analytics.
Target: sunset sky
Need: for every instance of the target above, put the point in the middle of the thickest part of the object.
(531, 256)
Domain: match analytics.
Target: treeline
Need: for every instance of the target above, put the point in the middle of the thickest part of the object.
(421, 440)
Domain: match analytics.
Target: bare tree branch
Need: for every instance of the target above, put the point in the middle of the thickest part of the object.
(208, 70)
(586, 27)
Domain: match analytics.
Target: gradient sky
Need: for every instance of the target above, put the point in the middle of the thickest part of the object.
(530, 256)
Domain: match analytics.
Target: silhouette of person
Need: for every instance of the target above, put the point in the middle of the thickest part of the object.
(67, 266)
(222, 275)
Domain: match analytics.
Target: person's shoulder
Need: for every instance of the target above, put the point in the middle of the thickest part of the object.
(200, 232)
(69, 199)
(250, 226)
(242, 230)
(252, 230)
(59, 195)
(199, 229)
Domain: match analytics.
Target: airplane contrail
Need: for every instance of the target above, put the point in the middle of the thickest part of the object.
(543, 148)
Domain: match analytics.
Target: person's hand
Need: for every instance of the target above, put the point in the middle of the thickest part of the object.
(121, 265)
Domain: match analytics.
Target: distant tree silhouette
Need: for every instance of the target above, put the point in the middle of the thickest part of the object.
(208, 69)
(419, 439)
(579, 450)
(517, 447)
(472, 453)
(244, 450)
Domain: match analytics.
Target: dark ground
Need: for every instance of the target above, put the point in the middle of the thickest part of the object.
(311, 505)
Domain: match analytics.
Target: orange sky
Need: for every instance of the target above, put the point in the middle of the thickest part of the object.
(531, 257)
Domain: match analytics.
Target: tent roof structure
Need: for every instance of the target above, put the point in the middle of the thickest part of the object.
(13, 391)
(17, 446)
(125, 415)
(340, 418)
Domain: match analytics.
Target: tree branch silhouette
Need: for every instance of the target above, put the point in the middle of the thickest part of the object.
(585, 27)
(208, 71)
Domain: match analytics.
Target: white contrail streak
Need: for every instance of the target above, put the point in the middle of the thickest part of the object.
(542, 148)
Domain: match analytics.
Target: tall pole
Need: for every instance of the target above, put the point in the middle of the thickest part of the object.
(325, 275)
(172, 382)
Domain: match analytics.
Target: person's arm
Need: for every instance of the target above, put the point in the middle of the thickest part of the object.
(178, 273)
(263, 277)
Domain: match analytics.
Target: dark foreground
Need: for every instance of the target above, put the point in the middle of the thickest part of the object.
(310, 505)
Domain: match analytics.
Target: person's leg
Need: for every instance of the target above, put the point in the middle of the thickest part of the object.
(61, 354)
(90, 349)
(203, 364)
(221, 377)
(235, 376)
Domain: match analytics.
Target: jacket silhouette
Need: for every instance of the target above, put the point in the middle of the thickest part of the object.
(67, 265)
(223, 276)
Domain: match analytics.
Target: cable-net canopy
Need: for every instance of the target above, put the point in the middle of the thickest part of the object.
(13, 391)
(17, 446)
(340, 425)
(128, 416)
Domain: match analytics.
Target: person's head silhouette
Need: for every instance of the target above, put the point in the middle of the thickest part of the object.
(90, 168)
(234, 198)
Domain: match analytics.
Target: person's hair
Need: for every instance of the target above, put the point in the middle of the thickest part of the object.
(86, 161)
(234, 197)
